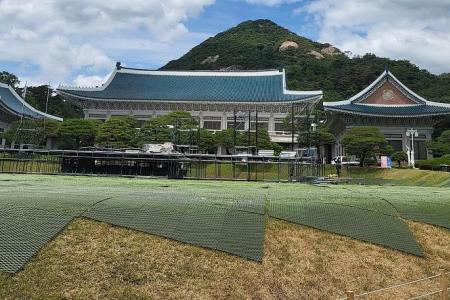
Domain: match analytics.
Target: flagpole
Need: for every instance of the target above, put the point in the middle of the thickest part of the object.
(46, 102)
(48, 94)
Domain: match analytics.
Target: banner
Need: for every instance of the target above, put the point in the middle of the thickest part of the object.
(386, 162)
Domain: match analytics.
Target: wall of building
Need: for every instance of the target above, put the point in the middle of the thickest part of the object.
(396, 135)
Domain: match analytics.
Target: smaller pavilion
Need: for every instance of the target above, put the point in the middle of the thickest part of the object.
(13, 108)
(406, 119)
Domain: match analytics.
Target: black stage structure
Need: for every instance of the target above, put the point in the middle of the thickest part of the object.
(177, 166)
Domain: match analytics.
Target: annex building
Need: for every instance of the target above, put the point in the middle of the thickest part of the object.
(14, 108)
(215, 98)
(405, 118)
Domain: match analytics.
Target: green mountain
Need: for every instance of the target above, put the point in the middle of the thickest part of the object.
(262, 44)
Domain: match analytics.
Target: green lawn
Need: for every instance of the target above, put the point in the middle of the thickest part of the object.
(395, 176)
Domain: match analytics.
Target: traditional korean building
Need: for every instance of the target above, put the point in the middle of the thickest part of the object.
(392, 107)
(13, 108)
(214, 97)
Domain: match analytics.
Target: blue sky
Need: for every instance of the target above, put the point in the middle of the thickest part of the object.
(225, 14)
(78, 42)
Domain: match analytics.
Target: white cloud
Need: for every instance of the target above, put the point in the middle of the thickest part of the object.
(271, 2)
(90, 81)
(63, 38)
(401, 29)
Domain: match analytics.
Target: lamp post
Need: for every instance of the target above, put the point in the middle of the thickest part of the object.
(411, 133)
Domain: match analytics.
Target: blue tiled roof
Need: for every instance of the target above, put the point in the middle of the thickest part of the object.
(189, 87)
(413, 110)
(11, 103)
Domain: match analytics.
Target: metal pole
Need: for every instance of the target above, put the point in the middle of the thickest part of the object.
(256, 140)
(234, 131)
(412, 148)
(256, 129)
(292, 126)
(198, 137)
(190, 139)
(175, 134)
(308, 138)
(249, 132)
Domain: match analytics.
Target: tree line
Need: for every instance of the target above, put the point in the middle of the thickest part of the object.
(120, 132)
(181, 128)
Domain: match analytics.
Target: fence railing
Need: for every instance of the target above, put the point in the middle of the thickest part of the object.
(441, 292)
(194, 166)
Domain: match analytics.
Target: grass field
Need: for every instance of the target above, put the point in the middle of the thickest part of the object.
(92, 259)
(405, 177)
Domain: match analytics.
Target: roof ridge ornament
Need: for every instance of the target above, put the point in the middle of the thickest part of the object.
(386, 71)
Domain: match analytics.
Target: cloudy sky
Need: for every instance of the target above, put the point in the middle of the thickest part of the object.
(77, 42)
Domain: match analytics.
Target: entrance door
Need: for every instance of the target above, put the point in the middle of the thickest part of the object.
(420, 150)
(397, 145)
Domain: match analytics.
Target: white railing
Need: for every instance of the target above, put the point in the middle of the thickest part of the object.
(443, 289)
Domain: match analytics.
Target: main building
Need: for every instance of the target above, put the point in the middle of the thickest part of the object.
(214, 97)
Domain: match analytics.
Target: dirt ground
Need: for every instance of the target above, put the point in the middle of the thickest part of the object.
(92, 260)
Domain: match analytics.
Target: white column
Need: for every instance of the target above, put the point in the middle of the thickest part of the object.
(428, 137)
(271, 123)
(223, 124)
(200, 118)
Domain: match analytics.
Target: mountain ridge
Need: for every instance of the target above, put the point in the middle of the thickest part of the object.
(310, 65)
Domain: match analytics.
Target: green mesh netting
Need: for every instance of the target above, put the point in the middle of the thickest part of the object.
(354, 222)
(227, 216)
(424, 204)
(33, 212)
(221, 226)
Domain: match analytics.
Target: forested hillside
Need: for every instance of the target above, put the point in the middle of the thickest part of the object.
(262, 44)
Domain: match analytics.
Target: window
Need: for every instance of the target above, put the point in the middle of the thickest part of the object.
(147, 117)
(212, 125)
(397, 145)
(140, 123)
(420, 150)
(279, 124)
(97, 116)
(240, 123)
(263, 123)
(392, 136)
(212, 122)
